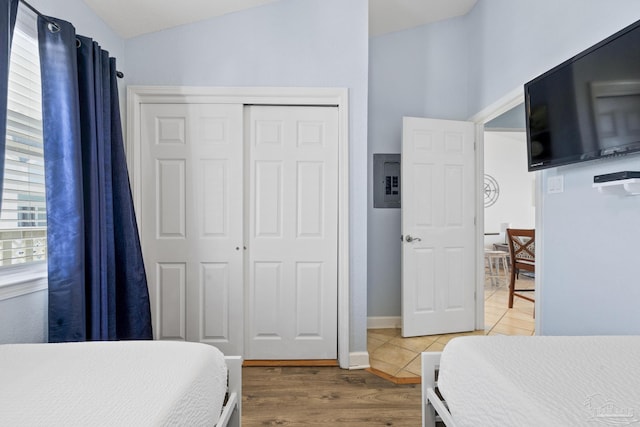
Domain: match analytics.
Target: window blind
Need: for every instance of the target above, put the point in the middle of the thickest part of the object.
(23, 216)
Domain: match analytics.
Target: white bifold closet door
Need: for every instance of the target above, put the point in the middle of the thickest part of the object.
(191, 221)
(293, 230)
(239, 226)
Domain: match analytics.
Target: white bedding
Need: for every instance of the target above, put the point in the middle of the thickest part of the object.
(541, 381)
(141, 383)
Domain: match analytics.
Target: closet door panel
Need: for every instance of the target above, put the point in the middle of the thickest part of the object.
(293, 210)
(192, 210)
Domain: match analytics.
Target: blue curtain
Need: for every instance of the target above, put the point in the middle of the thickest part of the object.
(97, 282)
(7, 23)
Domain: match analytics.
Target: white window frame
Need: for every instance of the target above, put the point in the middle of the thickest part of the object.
(22, 279)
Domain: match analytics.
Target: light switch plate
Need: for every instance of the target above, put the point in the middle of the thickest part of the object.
(555, 184)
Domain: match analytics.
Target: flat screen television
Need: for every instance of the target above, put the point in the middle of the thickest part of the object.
(588, 107)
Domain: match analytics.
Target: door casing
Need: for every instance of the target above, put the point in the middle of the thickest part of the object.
(338, 97)
(502, 105)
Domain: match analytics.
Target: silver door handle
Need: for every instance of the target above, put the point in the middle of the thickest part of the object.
(410, 239)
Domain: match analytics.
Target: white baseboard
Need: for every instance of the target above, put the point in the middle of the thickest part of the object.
(384, 322)
(359, 360)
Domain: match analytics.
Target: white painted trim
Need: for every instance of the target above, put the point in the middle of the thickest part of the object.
(232, 411)
(479, 226)
(502, 105)
(384, 322)
(22, 279)
(539, 193)
(138, 95)
(359, 360)
(430, 362)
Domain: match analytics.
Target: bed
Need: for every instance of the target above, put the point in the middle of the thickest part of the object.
(533, 381)
(142, 383)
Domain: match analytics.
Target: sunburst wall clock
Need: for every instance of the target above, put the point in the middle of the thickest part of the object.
(491, 190)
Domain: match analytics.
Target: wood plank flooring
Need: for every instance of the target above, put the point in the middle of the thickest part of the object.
(330, 396)
(326, 396)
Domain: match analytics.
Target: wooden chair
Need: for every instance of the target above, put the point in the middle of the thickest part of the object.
(522, 252)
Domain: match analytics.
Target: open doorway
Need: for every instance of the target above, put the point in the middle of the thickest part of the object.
(509, 202)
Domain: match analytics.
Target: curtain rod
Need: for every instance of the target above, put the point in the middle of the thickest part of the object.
(120, 74)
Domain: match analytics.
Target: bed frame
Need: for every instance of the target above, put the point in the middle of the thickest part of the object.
(434, 409)
(231, 415)
(594, 390)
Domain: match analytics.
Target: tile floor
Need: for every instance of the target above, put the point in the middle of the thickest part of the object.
(398, 359)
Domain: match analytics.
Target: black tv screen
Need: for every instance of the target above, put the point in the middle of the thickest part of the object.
(588, 107)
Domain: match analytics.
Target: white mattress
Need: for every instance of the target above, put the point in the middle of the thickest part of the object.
(541, 381)
(141, 383)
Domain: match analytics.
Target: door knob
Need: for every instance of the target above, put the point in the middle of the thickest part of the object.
(412, 239)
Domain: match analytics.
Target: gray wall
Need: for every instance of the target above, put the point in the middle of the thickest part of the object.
(589, 277)
(513, 41)
(419, 72)
(500, 45)
(23, 319)
(320, 43)
(588, 240)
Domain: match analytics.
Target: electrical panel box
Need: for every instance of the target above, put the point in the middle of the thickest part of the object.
(386, 180)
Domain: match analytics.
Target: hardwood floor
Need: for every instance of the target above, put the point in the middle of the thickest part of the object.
(330, 396)
(325, 396)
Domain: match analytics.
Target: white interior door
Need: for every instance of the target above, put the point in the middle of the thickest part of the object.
(191, 221)
(293, 230)
(438, 212)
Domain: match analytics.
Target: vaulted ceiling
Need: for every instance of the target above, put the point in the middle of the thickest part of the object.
(130, 18)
